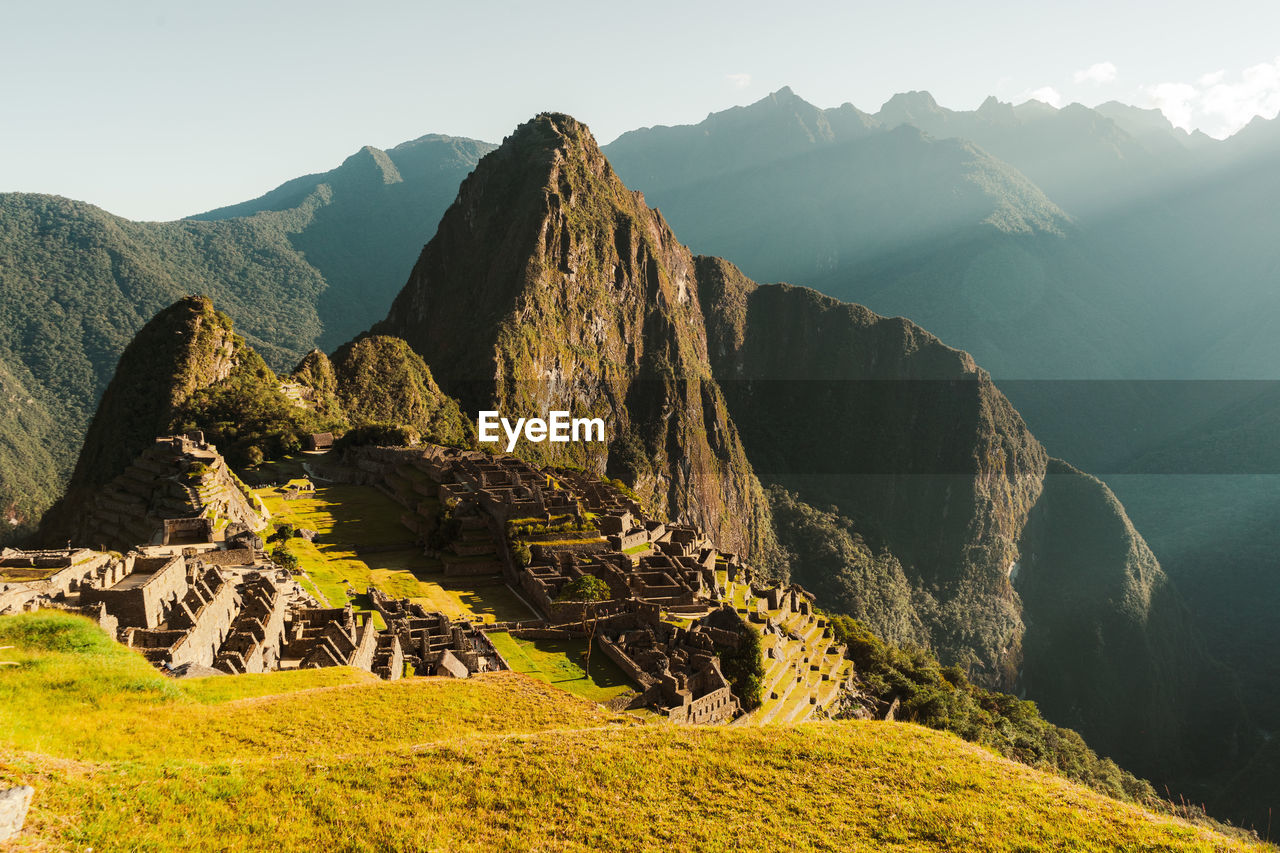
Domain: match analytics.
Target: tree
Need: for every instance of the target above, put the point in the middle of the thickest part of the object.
(744, 668)
(284, 558)
(590, 590)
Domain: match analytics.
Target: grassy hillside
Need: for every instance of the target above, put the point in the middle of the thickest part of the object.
(331, 760)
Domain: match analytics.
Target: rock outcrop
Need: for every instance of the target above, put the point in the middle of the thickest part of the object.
(906, 435)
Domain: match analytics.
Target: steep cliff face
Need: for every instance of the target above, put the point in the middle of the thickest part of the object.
(913, 442)
(1109, 647)
(550, 285)
(906, 435)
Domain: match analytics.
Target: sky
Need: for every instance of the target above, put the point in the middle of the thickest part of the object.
(156, 110)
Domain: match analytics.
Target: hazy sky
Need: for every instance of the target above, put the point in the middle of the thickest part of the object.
(154, 110)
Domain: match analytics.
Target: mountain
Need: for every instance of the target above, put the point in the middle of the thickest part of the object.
(550, 285)
(930, 463)
(308, 264)
(1086, 160)
(184, 348)
(937, 230)
(372, 215)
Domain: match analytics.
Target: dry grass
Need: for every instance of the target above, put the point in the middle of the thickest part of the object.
(493, 763)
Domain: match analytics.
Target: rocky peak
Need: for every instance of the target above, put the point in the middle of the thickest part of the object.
(185, 347)
(550, 285)
(996, 111)
(909, 107)
(368, 164)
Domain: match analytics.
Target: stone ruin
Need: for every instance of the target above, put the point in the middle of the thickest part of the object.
(319, 637)
(676, 603)
(178, 491)
(678, 669)
(653, 568)
(432, 643)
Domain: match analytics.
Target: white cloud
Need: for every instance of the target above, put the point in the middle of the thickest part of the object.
(1217, 105)
(1175, 100)
(740, 81)
(1098, 73)
(1235, 104)
(1048, 94)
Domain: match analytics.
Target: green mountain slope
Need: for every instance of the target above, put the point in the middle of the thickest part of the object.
(28, 471)
(309, 264)
(377, 210)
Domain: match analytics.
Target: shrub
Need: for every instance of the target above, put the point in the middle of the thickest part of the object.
(520, 551)
(284, 558)
(584, 588)
(744, 668)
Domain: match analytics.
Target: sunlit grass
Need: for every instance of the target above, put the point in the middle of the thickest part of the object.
(78, 694)
(846, 786)
(560, 664)
(341, 566)
(120, 756)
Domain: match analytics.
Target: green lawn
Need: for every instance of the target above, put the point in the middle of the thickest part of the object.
(342, 515)
(350, 518)
(559, 663)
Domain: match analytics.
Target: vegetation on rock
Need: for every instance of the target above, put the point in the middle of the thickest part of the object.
(380, 380)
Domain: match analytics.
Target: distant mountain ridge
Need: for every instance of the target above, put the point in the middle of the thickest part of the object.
(308, 264)
(376, 210)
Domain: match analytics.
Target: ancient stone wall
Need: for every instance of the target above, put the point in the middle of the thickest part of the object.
(142, 598)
